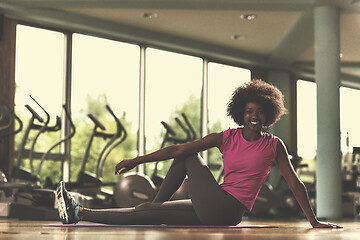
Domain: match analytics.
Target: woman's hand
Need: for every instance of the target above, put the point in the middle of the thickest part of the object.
(319, 224)
(125, 165)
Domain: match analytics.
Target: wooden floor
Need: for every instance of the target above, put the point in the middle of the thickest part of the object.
(287, 229)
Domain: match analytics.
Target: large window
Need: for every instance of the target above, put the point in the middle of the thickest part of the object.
(306, 119)
(104, 72)
(307, 122)
(223, 80)
(173, 87)
(349, 120)
(39, 73)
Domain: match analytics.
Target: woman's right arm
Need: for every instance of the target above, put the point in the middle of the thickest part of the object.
(177, 150)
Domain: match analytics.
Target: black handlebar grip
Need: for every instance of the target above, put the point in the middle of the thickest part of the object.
(168, 128)
(110, 110)
(119, 126)
(181, 124)
(96, 121)
(35, 115)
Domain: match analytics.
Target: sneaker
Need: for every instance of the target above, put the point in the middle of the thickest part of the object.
(67, 206)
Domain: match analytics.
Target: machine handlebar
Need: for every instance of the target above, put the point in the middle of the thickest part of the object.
(34, 114)
(119, 127)
(96, 122)
(193, 133)
(168, 128)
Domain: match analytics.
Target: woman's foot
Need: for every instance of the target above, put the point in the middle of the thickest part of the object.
(67, 206)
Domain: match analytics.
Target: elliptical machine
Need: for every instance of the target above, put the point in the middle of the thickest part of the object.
(7, 120)
(19, 173)
(48, 182)
(26, 199)
(11, 117)
(92, 184)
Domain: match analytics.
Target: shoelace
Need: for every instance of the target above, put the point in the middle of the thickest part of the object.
(61, 210)
(72, 202)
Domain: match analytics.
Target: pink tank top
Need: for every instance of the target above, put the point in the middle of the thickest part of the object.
(246, 164)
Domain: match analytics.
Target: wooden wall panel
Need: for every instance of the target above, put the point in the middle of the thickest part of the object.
(7, 88)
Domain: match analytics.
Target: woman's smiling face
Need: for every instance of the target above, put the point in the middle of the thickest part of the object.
(254, 116)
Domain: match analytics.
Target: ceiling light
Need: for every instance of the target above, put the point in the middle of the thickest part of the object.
(248, 16)
(150, 15)
(238, 37)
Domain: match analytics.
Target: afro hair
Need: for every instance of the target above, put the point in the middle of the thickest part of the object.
(257, 91)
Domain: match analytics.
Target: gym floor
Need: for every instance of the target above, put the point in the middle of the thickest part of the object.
(286, 229)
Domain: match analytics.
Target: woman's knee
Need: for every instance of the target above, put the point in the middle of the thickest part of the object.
(186, 157)
(194, 159)
(188, 160)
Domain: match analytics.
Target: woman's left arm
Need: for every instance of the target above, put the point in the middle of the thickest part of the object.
(297, 187)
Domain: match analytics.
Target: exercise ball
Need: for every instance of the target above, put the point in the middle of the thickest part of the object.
(133, 189)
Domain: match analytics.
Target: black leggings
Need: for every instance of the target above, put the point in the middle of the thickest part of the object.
(209, 204)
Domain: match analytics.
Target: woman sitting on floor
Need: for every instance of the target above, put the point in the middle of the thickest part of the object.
(248, 154)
